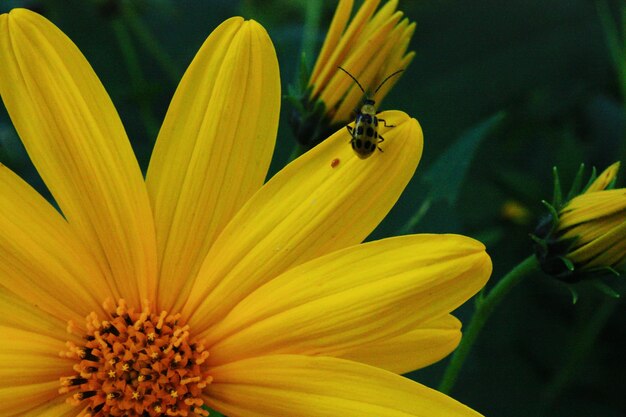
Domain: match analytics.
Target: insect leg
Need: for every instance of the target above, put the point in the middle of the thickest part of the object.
(351, 130)
(385, 123)
(381, 140)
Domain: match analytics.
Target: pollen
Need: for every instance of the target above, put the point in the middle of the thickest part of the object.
(136, 363)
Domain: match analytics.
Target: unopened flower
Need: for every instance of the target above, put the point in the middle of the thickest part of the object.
(587, 234)
(370, 46)
(201, 285)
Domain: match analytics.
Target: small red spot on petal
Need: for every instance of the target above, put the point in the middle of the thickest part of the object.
(334, 163)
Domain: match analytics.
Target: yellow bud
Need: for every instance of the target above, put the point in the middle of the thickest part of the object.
(586, 236)
(370, 47)
(597, 222)
(604, 179)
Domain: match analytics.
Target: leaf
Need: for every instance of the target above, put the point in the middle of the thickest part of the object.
(557, 196)
(445, 177)
(212, 412)
(573, 293)
(617, 51)
(605, 289)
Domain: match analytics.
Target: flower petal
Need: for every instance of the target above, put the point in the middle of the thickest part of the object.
(77, 142)
(594, 229)
(604, 179)
(592, 206)
(214, 148)
(372, 68)
(30, 358)
(363, 64)
(18, 400)
(30, 368)
(310, 208)
(412, 350)
(352, 298)
(342, 48)
(607, 250)
(338, 24)
(43, 262)
(17, 313)
(293, 385)
(56, 407)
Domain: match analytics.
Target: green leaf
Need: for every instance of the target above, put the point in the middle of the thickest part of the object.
(575, 189)
(554, 214)
(592, 178)
(445, 176)
(568, 263)
(212, 413)
(557, 196)
(605, 289)
(617, 50)
(303, 73)
(573, 293)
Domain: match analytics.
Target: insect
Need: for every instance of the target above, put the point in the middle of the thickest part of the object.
(365, 137)
(335, 163)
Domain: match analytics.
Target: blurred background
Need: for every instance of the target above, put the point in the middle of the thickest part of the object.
(504, 91)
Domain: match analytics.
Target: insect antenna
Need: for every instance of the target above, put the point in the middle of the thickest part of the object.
(385, 80)
(355, 80)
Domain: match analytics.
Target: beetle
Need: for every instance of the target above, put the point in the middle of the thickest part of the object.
(365, 137)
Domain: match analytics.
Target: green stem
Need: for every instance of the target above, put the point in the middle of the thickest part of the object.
(138, 82)
(409, 226)
(296, 152)
(616, 45)
(152, 46)
(485, 305)
(312, 18)
(578, 350)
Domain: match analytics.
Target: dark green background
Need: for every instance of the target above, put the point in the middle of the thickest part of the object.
(545, 64)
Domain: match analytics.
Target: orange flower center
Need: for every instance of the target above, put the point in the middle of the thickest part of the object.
(136, 363)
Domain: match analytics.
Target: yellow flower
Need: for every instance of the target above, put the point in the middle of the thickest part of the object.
(595, 221)
(588, 233)
(371, 47)
(200, 285)
(605, 180)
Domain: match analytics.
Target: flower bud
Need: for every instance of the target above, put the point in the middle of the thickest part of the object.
(585, 236)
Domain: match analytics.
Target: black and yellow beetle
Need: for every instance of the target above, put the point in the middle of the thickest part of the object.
(365, 137)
